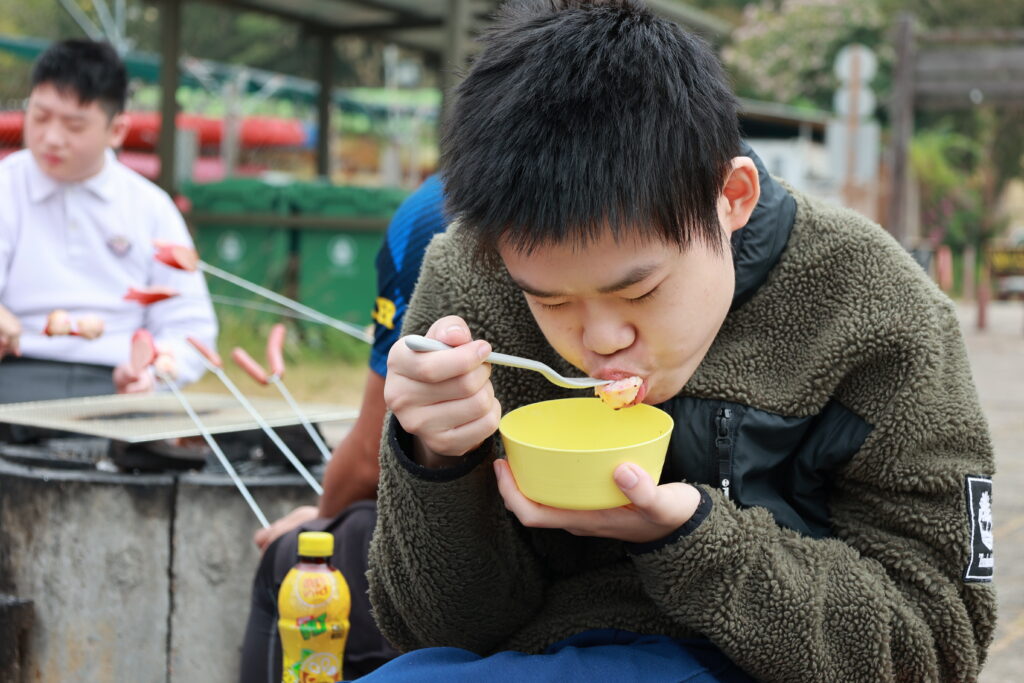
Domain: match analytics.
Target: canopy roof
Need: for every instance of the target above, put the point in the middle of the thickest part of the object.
(420, 24)
(145, 66)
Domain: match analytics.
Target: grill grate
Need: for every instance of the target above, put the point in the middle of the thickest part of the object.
(137, 418)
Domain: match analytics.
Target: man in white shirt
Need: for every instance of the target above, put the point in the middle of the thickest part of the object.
(76, 232)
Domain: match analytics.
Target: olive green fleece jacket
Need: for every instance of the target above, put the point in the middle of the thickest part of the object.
(844, 315)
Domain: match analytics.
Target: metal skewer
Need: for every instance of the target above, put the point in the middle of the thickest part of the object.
(256, 371)
(347, 328)
(256, 306)
(224, 462)
(212, 363)
(324, 450)
(186, 258)
(227, 301)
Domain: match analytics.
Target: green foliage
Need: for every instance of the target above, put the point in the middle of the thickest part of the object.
(943, 159)
(209, 31)
(957, 184)
(730, 11)
(305, 342)
(328, 343)
(784, 52)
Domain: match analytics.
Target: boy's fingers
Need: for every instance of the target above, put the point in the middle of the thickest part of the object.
(433, 367)
(454, 389)
(638, 486)
(514, 499)
(466, 437)
(528, 512)
(452, 330)
(670, 505)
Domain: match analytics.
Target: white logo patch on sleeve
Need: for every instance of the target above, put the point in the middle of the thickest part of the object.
(979, 508)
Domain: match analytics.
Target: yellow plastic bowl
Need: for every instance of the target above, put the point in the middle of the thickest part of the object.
(563, 453)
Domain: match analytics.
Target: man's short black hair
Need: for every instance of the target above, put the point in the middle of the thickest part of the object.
(91, 70)
(580, 115)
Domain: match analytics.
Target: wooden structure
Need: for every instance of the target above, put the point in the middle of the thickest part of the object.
(945, 69)
(440, 29)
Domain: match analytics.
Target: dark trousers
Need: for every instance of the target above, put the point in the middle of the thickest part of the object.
(366, 648)
(31, 379)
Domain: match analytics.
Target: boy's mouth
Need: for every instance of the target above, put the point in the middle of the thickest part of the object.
(617, 375)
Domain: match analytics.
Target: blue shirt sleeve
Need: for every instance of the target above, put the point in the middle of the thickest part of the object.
(417, 220)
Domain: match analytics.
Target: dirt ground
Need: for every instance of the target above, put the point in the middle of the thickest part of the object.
(315, 383)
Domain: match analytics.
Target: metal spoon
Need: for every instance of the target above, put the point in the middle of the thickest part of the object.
(418, 343)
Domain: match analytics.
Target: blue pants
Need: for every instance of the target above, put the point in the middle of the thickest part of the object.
(596, 655)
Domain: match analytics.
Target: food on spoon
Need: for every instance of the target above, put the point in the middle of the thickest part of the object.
(176, 255)
(620, 393)
(58, 324)
(150, 295)
(90, 326)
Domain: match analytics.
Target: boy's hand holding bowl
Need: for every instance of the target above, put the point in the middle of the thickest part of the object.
(586, 468)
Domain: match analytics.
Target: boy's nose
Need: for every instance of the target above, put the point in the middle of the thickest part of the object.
(604, 336)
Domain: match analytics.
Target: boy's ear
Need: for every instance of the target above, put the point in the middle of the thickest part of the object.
(740, 193)
(118, 129)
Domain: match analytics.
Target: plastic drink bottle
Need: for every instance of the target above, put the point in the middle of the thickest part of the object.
(313, 607)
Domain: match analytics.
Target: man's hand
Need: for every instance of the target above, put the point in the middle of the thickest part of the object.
(128, 381)
(443, 398)
(295, 518)
(10, 334)
(653, 512)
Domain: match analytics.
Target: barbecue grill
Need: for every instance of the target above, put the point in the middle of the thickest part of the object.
(151, 417)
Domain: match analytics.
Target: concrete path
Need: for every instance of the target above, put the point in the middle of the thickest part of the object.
(997, 359)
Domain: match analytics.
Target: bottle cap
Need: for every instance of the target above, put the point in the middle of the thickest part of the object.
(316, 544)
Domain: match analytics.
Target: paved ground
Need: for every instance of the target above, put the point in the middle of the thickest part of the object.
(997, 358)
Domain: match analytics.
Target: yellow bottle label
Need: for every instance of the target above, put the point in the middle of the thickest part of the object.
(313, 607)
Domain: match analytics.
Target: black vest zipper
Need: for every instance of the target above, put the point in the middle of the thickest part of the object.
(723, 448)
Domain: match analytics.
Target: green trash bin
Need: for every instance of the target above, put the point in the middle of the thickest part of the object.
(258, 253)
(337, 273)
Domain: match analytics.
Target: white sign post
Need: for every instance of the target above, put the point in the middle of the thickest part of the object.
(853, 136)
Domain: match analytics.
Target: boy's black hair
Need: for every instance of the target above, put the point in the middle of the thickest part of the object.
(91, 70)
(580, 115)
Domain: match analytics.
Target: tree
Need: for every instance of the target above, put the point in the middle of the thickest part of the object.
(784, 52)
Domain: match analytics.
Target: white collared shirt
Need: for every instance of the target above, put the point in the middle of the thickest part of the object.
(79, 247)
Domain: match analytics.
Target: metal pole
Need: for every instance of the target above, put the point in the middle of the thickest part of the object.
(323, 109)
(170, 53)
(345, 327)
(901, 116)
(256, 306)
(299, 467)
(457, 26)
(82, 19)
(324, 450)
(224, 462)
